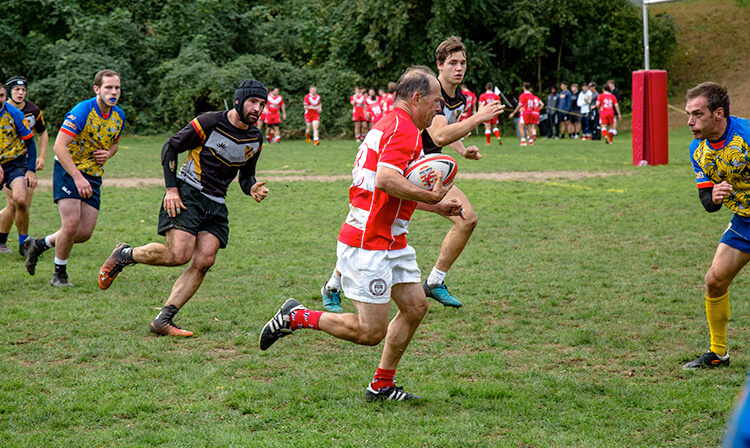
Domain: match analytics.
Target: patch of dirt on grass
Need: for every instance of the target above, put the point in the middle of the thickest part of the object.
(523, 176)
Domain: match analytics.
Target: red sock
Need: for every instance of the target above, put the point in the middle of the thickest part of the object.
(383, 378)
(604, 133)
(611, 136)
(304, 319)
(487, 136)
(497, 133)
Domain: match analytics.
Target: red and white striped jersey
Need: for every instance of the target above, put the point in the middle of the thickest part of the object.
(376, 220)
(274, 103)
(311, 100)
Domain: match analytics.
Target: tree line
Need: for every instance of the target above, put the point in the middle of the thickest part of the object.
(178, 58)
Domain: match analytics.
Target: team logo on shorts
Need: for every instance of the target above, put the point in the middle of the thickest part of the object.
(378, 287)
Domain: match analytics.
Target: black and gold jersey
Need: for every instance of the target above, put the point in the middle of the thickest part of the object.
(217, 151)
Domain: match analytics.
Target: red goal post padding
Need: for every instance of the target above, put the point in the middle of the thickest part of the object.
(650, 130)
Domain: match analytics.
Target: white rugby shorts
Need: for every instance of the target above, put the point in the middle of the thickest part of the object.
(368, 275)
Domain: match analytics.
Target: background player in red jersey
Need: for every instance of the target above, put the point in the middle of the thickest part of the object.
(370, 100)
(374, 110)
(375, 259)
(16, 88)
(276, 113)
(486, 98)
(607, 105)
(529, 105)
(312, 106)
(388, 98)
(358, 113)
(471, 104)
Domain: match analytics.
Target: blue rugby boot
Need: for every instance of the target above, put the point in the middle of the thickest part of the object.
(441, 294)
(331, 299)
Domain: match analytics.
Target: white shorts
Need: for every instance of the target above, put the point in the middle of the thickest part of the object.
(368, 275)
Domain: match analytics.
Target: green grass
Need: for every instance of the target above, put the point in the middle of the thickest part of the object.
(582, 299)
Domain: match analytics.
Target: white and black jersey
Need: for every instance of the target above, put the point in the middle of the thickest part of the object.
(451, 108)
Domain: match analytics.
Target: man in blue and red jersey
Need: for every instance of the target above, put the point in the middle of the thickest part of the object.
(221, 146)
(720, 155)
(17, 163)
(89, 137)
(375, 261)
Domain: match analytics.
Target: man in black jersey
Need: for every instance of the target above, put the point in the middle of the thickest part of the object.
(193, 216)
(446, 130)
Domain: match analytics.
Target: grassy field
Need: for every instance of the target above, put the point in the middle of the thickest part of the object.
(582, 299)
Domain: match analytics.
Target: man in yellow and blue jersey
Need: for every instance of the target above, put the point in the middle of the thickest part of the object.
(88, 138)
(721, 160)
(34, 120)
(17, 163)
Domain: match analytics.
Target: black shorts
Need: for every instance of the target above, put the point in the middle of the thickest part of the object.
(564, 116)
(200, 215)
(574, 118)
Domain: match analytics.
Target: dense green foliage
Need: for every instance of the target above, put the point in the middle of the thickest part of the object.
(179, 58)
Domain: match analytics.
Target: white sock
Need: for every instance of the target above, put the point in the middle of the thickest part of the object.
(47, 241)
(436, 277)
(334, 283)
(61, 262)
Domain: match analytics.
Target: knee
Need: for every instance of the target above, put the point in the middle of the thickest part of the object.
(204, 263)
(417, 311)
(470, 223)
(373, 337)
(21, 204)
(715, 284)
(181, 257)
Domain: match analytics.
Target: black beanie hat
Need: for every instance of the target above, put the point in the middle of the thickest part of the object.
(248, 88)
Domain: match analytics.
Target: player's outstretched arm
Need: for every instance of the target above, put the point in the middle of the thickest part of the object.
(471, 153)
(443, 134)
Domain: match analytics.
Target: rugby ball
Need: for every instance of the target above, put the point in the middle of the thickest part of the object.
(423, 171)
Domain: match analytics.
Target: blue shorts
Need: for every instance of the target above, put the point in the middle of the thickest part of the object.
(13, 170)
(64, 187)
(737, 234)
